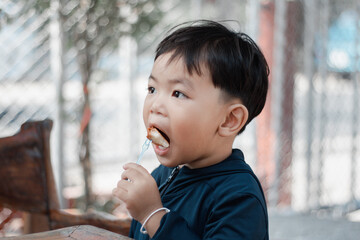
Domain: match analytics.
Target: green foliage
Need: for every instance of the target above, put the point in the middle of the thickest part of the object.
(93, 26)
(102, 22)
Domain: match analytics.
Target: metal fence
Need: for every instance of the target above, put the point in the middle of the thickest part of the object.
(304, 147)
(314, 124)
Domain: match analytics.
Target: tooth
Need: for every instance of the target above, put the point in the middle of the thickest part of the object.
(162, 148)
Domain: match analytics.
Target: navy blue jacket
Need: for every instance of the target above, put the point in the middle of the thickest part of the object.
(222, 201)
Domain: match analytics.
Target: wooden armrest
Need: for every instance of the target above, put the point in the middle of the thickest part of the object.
(82, 232)
(62, 218)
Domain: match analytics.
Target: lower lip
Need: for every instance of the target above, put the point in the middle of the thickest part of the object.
(160, 151)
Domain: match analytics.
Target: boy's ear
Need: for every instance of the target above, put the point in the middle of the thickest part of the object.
(236, 118)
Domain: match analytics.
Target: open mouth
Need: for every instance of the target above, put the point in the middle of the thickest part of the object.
(158, 137)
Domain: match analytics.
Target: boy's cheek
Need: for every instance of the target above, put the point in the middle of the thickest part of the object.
(145, 115)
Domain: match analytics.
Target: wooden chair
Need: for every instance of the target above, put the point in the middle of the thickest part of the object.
(82, 232)
(27, 182)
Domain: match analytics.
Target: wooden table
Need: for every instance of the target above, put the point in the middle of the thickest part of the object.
(75, 232)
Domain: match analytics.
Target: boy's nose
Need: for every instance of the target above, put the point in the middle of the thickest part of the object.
(158, 106)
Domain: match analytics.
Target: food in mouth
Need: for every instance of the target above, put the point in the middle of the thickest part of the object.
(156, 137)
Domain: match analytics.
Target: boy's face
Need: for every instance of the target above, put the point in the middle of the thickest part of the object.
(188, 109)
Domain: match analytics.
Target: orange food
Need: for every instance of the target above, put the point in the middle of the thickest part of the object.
(155, 136)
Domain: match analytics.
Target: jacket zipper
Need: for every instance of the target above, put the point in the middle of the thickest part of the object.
(172, 176)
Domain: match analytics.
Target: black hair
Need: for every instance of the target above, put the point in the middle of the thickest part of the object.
(235, 62)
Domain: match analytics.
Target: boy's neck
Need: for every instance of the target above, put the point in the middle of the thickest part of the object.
(220, 153)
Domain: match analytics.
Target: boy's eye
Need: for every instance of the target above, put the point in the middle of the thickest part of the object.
(151, 90)
(178, 94)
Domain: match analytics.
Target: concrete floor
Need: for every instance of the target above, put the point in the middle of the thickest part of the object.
(296, 226)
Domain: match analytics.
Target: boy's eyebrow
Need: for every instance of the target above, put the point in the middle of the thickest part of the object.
(186, 82)
(152, 77)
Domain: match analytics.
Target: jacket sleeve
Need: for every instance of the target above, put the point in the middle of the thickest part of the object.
(234, 217)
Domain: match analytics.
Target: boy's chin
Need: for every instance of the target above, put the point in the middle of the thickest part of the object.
(166, 162)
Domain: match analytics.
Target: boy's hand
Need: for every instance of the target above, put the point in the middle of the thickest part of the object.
(138, 190)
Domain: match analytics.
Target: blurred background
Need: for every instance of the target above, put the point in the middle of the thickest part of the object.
(85, 64)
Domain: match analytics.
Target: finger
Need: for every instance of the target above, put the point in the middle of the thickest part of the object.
(138, 167)
(120, 194)
(131, 174)
(124, 184)
(115, 198)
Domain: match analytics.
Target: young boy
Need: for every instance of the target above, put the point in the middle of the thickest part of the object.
(206, 85)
